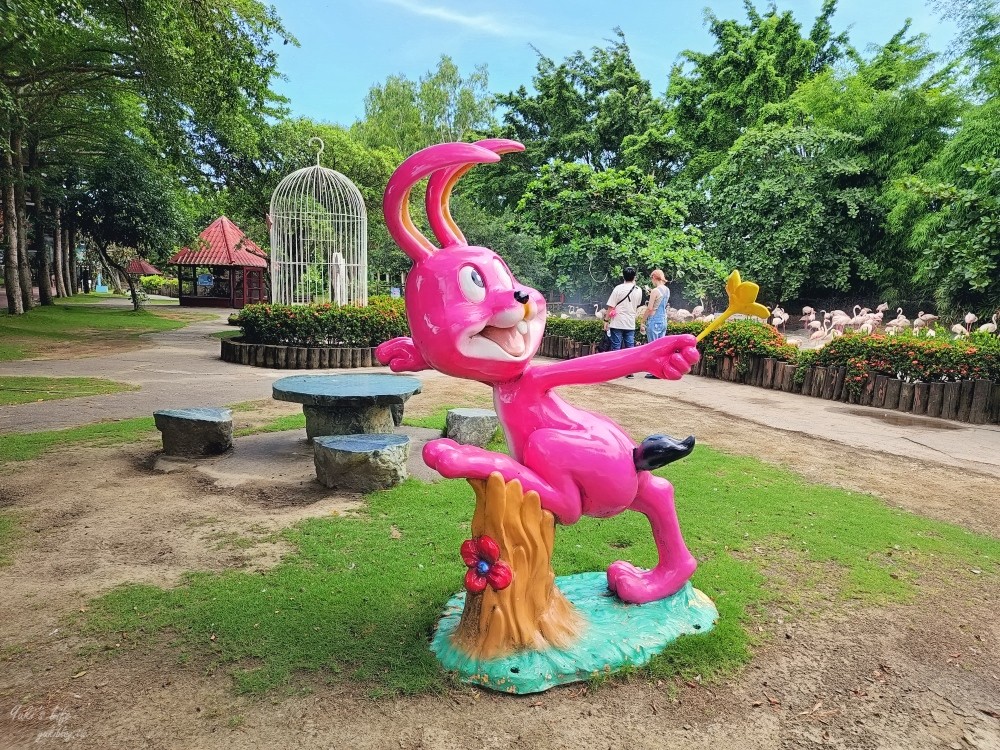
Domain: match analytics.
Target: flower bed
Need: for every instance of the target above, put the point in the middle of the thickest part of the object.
(911, 358)
(315, 336)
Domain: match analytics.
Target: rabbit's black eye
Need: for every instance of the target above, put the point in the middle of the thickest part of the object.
(470, 280)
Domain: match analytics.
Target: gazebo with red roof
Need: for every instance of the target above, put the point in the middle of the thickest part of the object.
(226, 268)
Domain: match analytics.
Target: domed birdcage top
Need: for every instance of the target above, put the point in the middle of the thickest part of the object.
(319, 238)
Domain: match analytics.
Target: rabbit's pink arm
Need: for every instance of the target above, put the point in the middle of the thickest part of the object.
(669, 357)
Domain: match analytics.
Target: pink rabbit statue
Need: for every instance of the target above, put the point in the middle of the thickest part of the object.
(470, 318)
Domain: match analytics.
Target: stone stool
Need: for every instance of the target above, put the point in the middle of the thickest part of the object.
(471, 426)
(362, 463)
(198, 431)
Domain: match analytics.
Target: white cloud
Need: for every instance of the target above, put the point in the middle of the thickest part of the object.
(484, 23)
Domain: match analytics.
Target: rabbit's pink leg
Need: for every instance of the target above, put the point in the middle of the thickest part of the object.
(676, 565)
(590, 472)
(456, 461)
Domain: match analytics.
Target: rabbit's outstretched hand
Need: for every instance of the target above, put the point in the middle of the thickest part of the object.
(401, 355)
(671, 357)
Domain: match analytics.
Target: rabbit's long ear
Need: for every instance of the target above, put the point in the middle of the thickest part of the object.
(439, 189)
(395, 203)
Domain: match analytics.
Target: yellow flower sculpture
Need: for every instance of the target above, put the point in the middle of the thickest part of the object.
(742, 299)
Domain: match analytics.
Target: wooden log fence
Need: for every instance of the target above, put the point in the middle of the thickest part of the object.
(297, 357)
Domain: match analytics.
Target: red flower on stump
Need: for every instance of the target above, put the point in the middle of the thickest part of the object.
(482, 555)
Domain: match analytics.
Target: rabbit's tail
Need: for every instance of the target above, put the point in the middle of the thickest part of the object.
(660, 450)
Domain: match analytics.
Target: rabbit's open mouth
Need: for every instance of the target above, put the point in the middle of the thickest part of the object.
(511, 340)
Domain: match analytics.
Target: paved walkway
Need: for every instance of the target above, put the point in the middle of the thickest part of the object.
(183, 369)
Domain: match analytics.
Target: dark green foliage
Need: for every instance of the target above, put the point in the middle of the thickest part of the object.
(715, 96)
(593, 223)
(786, 212)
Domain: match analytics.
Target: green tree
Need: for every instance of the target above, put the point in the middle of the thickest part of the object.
(582, 109)
(715, 96)
(593, 223)
(961, 239)
(441, 106)
(901, 110)
(125, 199)
(199, 71)
(784, 211)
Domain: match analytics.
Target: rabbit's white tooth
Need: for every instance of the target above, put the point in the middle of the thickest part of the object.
(522, 327)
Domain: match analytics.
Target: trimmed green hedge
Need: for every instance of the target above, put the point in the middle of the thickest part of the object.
(324, 324)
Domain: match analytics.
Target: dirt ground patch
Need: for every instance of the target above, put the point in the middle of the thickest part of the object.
(925, 675)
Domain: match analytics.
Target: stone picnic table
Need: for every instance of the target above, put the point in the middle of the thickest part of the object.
(347, 404)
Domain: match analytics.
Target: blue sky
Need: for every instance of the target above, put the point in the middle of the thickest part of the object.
(349, 45)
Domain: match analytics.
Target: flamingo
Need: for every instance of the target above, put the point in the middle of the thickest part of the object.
(815, 325)
(697, 310)
(970, 318)
(840, 319)
(823, 332)
(990, 327)
(882, 307)
(959, 330)
(867, 327)
(900, 321)
(598, 312)
(926, 317)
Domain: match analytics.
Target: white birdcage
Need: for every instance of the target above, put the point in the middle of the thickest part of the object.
(319, 238)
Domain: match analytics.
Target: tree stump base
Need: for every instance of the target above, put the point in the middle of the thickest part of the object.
(614, 634)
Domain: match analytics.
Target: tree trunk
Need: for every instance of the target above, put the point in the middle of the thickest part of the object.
(67, 253)
(73, 274)
(120, 273)
(531, 613)
(57, 252)
(43, 268)
(23, 267)
(10, 267)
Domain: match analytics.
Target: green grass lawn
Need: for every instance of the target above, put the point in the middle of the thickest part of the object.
(359, 597)
(23, 446)
(93, 298)
(23, 390)
(29, 334)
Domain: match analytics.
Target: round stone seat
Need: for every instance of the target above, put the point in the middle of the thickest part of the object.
(361, 463)
(471, 426)
(197, 431)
